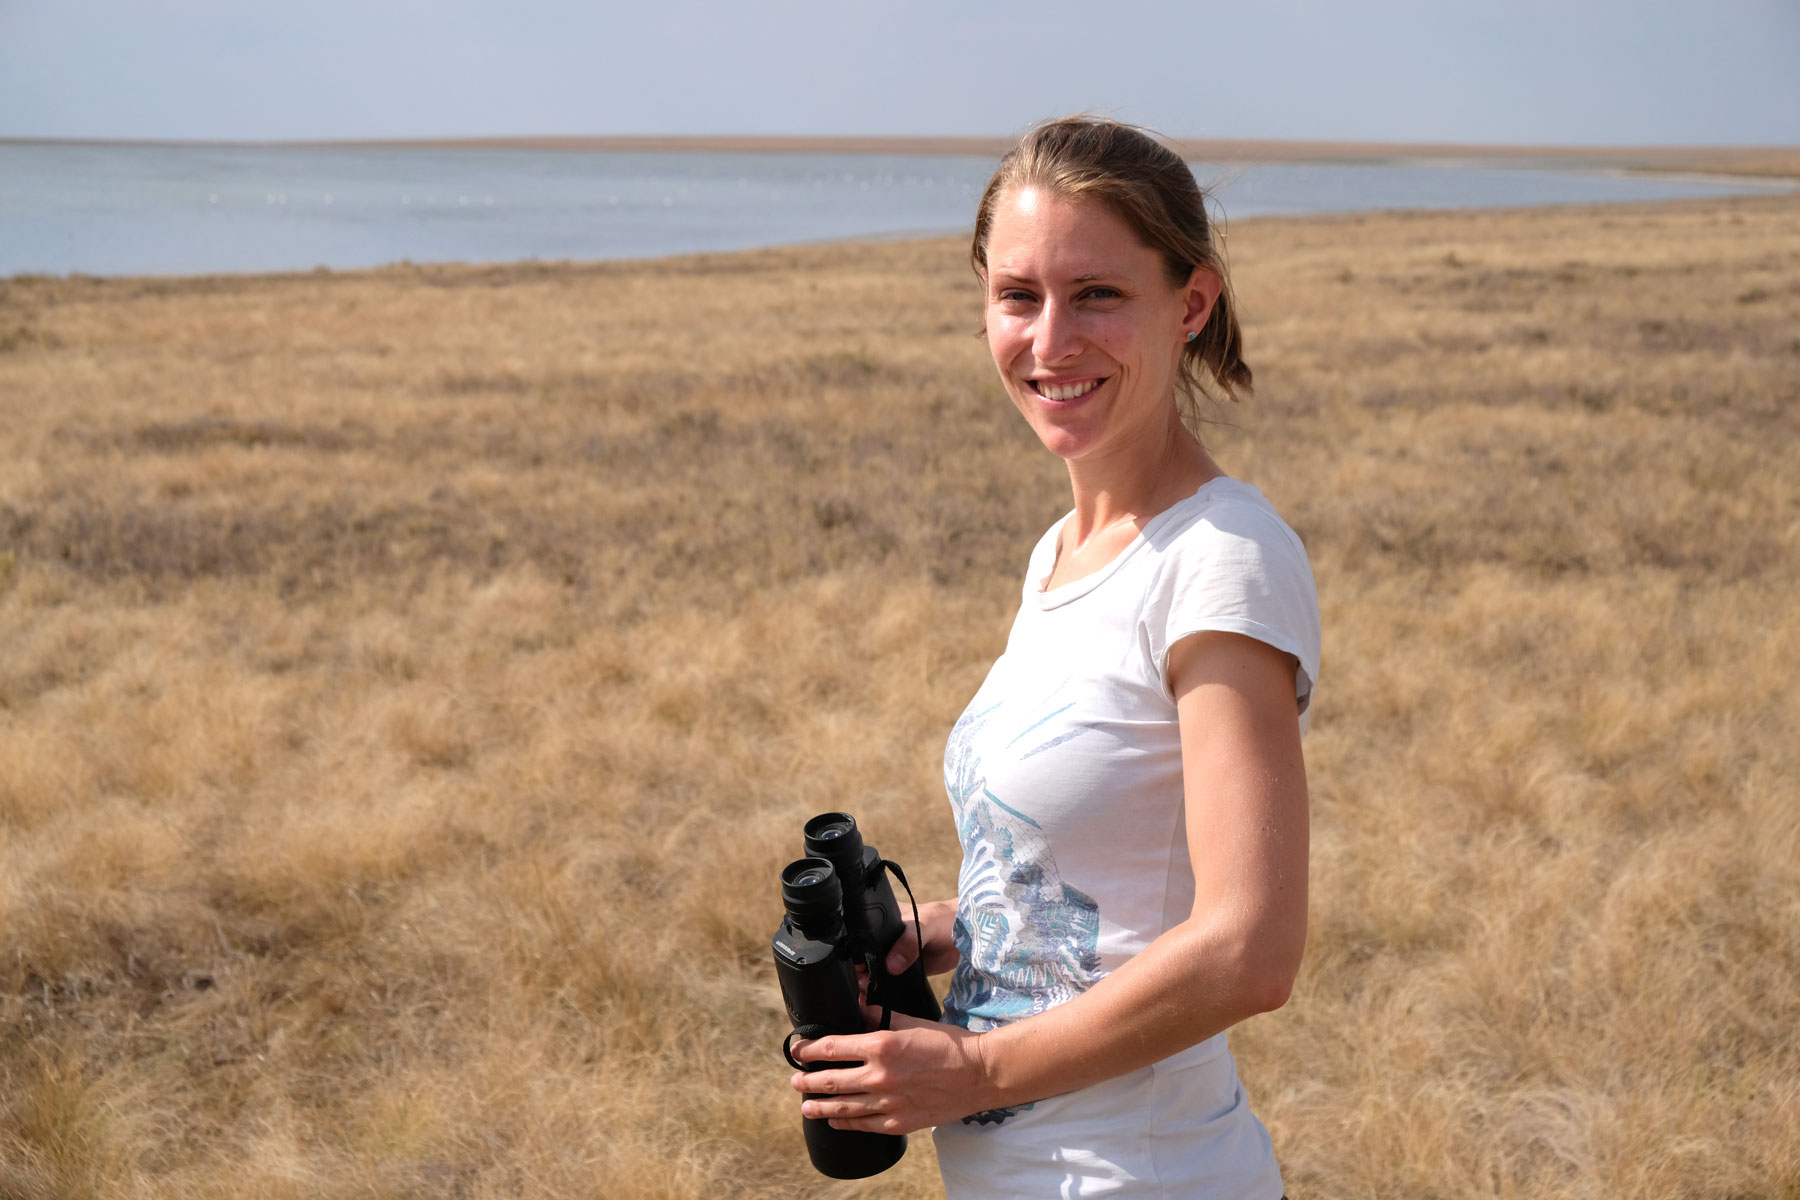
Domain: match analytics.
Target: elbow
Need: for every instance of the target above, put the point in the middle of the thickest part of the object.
(1269, 975)
(1263, 965)
(1268, 990)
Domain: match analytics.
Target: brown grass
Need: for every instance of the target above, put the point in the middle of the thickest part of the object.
(412, 681)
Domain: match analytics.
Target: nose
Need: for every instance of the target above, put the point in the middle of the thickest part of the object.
(1056, 334)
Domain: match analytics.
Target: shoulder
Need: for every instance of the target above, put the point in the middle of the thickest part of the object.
(1225, 560)
(1225, 520)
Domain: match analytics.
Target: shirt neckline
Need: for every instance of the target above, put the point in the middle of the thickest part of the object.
(1075, 589)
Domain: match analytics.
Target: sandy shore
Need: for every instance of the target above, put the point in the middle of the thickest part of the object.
(1770, 161)
(1778, 162)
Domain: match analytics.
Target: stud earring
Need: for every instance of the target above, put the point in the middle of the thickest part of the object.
(1192, 335)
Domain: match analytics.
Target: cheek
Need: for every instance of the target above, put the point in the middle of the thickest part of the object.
(1118, 339)
(1004, 338)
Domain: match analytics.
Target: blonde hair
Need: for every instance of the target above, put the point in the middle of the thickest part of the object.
(1148, 186)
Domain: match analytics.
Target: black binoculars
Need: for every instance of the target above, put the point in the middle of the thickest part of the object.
(842, 914)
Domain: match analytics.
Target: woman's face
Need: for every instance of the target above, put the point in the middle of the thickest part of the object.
(1084, 325)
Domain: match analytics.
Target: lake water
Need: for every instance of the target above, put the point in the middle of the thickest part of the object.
(130, 210)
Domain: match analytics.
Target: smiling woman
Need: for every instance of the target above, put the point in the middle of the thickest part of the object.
(1127, 783)
(1088, 334)
(1161, 205)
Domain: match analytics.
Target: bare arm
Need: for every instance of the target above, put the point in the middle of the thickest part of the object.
(1244, 785)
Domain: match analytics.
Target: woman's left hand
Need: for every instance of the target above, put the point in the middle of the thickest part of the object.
(914, 1075)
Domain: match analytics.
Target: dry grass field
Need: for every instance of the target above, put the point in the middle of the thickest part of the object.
(412, 681)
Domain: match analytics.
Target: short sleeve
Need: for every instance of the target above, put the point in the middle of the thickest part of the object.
(1235, 568)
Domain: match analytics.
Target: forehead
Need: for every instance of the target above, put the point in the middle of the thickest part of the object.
(1038, 234)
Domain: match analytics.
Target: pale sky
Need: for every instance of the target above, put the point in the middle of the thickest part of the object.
(1518, 71)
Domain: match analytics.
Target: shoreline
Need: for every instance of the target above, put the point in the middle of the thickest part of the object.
(519, 268)
(1763, 162)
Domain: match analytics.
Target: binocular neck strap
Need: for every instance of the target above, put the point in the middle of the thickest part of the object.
(889, 864)
(877, 963)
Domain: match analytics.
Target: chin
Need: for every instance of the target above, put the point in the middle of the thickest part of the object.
(1065, 446)
(1067, 441)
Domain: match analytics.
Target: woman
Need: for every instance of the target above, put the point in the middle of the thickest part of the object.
(1128, 782)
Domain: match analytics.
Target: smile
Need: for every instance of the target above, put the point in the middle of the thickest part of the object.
(1069, 391)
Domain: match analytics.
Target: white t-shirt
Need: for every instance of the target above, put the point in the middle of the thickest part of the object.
(1065, 777)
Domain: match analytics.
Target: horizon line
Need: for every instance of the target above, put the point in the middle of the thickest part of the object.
(971, 143)
(1773, 162)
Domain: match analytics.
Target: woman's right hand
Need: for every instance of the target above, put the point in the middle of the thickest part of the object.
(937, 920)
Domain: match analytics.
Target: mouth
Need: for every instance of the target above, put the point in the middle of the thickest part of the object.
(1073, 390)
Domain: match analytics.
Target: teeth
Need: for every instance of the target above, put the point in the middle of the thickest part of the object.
(1070, 392)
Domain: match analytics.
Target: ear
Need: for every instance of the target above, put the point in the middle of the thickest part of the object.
(1200, 292)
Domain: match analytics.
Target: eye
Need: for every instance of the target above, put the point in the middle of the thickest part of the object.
(1013, 296)
(1103, 293)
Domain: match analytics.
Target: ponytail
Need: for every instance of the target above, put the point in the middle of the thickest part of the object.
(1218, 352)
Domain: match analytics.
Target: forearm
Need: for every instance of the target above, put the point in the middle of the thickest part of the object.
(1197, 979)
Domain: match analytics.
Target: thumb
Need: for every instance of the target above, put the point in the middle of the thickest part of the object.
(905, 951)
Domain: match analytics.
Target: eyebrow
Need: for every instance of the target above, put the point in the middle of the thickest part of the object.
(1086, 277)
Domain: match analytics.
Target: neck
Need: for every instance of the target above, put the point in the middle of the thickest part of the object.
(1135, 483)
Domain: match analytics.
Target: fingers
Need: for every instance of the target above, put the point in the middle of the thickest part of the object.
(895, 1081)
(846, 1108)
(882, 1124)
(823, 1049)
(846, 1083)
(872, 1114)
(853, 1048)
(868, 1122)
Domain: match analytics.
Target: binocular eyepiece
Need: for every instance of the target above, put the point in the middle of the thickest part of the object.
(810, 891)
(841, 913)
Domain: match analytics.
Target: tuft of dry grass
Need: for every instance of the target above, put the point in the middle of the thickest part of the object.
(413, 680)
